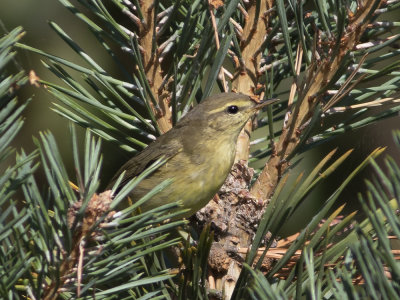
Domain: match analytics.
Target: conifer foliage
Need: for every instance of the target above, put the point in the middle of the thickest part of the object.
(331, 63)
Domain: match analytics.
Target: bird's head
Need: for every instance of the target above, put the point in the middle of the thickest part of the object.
(226, 112)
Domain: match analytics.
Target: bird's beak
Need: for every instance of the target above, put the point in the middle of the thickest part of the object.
(264, 103)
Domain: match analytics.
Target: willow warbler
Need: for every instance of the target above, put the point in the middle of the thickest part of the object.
(200, 151)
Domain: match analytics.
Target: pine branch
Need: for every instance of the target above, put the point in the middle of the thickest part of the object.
(14, 260)
(247, 77)
(152, 63)
(178, 53)
(319, 74)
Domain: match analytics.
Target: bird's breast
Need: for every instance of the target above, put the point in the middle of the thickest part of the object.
(196, 177)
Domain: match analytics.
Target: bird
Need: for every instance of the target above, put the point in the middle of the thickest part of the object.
(199, 152)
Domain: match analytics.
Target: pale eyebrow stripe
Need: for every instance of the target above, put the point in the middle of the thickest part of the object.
(223, 108)
(217, 110)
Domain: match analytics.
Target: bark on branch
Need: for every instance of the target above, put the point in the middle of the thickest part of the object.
(254, 33)
(147, 40)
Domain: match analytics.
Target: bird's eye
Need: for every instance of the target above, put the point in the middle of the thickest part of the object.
(233, 109)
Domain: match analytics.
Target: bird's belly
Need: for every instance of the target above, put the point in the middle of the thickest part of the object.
(194, 185)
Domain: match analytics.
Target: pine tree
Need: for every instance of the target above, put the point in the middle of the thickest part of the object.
(340, 59)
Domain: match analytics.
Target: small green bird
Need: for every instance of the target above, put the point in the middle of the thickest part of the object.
(200, 152)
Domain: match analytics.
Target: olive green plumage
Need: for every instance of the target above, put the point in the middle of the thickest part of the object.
(200, 151)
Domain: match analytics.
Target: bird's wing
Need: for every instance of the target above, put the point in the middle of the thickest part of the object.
(144, 159)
